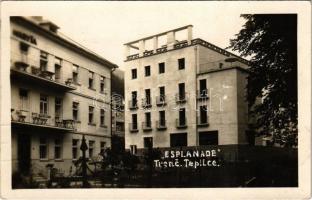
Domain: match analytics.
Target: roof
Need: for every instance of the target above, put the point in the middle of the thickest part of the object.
(64, 41)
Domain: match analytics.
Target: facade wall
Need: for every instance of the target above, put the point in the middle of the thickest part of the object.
(223, 110)
(227, 108)
(82, 94)
(170, 79)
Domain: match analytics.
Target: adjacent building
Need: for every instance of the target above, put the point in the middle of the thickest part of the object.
(60, 91)
(181, 91)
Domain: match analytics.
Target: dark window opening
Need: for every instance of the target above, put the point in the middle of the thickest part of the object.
(208, 138)
(178, 140)
(203, 115)
(134, 121)
(148, 142)
(134, 73)
(161, 67)
(181, 63)
(147, 70)
(181, 91)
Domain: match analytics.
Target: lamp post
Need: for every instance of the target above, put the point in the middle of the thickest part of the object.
(84, 148)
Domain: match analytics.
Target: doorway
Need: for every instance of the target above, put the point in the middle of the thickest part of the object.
(23, 153)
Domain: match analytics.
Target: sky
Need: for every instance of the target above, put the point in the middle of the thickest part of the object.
(104, 27)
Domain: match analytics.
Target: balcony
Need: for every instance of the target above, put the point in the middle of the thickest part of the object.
(147, 102)
(147, 126)
(133, 127)
(202, 94)
(202, 121)
(180, 98)
(161, 125)
(133, 104)
(181, 123)
(27, 119)
(36, 76)
(161, 100)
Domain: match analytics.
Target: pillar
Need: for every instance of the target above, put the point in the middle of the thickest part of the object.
(170, 40)
(126, 51)
(141, 47)
(189, 34)
(155, 43)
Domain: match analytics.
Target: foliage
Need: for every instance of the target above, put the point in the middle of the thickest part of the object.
(271, 42)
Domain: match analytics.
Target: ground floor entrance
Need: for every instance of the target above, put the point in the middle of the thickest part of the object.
(208, 138)
(23, 153)
(178, 139)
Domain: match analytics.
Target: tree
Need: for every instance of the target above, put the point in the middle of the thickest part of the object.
(271, 42)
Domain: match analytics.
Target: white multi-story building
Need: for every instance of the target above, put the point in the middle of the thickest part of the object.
(185, 92)
(59, 92)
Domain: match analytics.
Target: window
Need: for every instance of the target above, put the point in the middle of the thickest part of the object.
(91, 77)
(161, 67)
(181, 63)
(203, 87)
(75, 74)
(75, 111)
(58, 108)
(24, 47)
(148, 120)
(75, 148)
(162, 118)
(162, 93)
(91, 148)
(182, 118)
(134, 121)
(91, 114)
(43, 148)
(148, 96)
(102, 84)
(102, 117)
(57, 66)
(181, 91)
(134, 99)
(133, 149)
(24, 103)
(134, 73)
(148, 142)
(147, 70)
(178, 140)
(57, 149)
(102, 146)
(43, 61)
(203, 115)
(43, 104)
(208, 138)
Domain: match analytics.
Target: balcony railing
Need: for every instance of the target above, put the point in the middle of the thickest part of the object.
(202, 94)
(161, 125)
(146, 102)
(181, 123)
(148, 53)
(133, 127)
(180, 44)
(181, 98)
(36, 76)
(147, 126)
(202, 121)
(161, 100)
(134, 56)
(32, 119)
(133, 104)
(162, 49)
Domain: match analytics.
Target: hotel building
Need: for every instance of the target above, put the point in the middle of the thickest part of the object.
(60, 91)
(181, 91)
